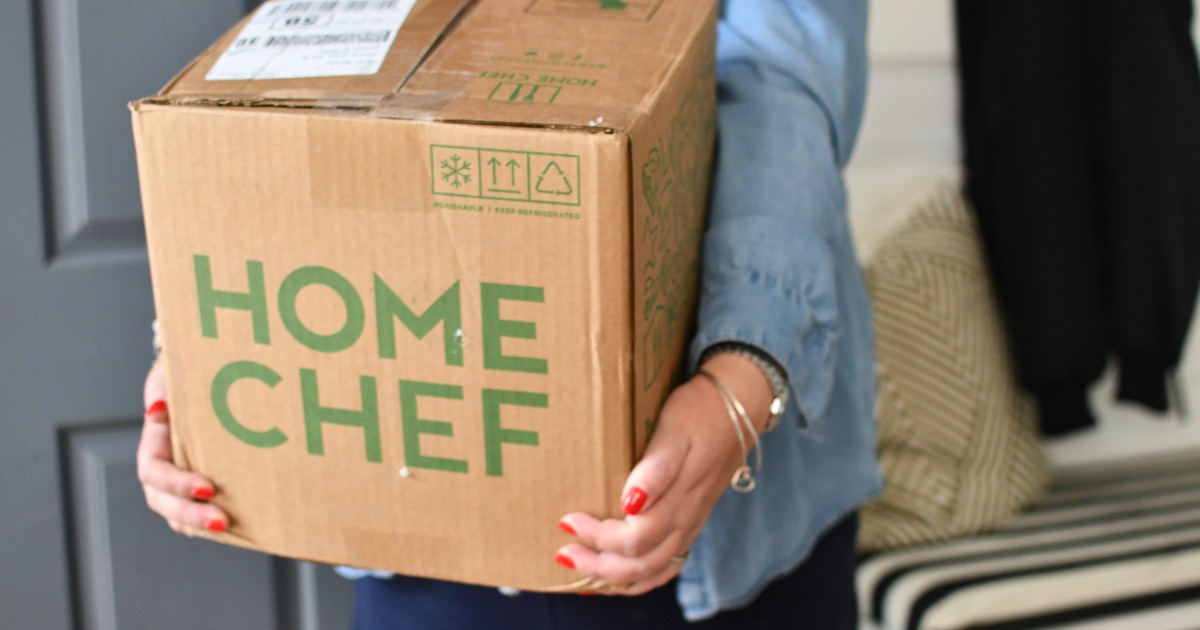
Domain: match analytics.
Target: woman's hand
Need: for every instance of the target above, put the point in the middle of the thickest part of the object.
(670, 493)
(176, 495)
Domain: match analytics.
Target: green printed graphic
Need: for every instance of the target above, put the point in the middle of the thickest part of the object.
(316, 415)
(510, 92)
(414, 425)
(254, 300)
(456, 171)
(446, 310)
(553, 181)
(495, 435)
(223, 382)
(508, 174)
(495, 327)
(505, 175)
(634, 10)
(675, 187)
(289, 292)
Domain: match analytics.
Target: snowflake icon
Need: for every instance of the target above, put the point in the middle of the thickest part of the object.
(456, 171)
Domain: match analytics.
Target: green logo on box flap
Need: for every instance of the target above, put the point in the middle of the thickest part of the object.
(524, 93)
(634, 10)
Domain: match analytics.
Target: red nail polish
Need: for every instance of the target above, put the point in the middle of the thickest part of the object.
(633, 501)
(565, 561)
(203, 493)
(566, 528)
(215, 525)
(156, 407)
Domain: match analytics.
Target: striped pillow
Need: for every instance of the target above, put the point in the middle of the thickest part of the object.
(958, 446)
(1112, 547)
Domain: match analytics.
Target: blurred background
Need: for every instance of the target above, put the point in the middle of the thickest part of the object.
(79, 548)
(910, 141)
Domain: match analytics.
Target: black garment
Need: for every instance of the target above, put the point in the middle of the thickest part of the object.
(819, 595)
(1081, 125)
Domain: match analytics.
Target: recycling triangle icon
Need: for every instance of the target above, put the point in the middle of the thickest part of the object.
(553, 181)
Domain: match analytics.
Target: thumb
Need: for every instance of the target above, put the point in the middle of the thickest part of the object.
(658, 469)
(155, 389)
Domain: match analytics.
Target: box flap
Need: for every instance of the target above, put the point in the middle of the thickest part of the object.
(546, 63)
(423, 25)
(570, 63)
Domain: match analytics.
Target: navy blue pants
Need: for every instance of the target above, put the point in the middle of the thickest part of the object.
(818, 595)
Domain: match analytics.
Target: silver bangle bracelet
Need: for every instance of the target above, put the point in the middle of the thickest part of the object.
(743, 478)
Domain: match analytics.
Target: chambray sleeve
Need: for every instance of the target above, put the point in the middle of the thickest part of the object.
(791, 80)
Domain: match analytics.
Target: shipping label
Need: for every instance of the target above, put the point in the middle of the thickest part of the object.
(293, 39)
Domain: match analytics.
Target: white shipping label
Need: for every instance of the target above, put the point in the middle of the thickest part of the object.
(293, 39)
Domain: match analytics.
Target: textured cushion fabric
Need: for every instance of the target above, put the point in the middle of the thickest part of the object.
(958, 443)
(1111, 546)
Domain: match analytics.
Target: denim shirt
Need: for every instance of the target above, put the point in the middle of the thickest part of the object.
(780, 273)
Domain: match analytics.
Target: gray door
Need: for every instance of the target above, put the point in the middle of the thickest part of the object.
(78, 547)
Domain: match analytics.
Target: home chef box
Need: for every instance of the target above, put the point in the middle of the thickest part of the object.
(424, 269)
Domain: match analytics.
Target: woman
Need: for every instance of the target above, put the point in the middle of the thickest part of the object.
(783, 321)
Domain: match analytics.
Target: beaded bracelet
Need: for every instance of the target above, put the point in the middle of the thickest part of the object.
(767, 365)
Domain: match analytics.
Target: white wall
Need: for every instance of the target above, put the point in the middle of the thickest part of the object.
(910, 140)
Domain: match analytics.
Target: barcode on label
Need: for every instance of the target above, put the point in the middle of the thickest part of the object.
(326, 6)
(325, 40)
(292, 39)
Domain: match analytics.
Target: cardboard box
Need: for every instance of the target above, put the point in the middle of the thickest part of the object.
(414, 315)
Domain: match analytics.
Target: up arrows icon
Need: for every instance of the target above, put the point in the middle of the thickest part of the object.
(512, 165)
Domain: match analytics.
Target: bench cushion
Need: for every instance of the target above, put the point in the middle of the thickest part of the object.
(1117, 543)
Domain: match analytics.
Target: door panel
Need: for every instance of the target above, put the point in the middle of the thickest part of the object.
(134, 573)
(80, 549)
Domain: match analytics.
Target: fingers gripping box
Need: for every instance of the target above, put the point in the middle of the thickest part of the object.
(425, 269)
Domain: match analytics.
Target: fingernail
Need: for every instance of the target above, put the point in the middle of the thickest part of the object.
(633, 501)
(586, 593)
(566, 528)
(203, 493)
(156, 406)
(565, 560)
(215, 525)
